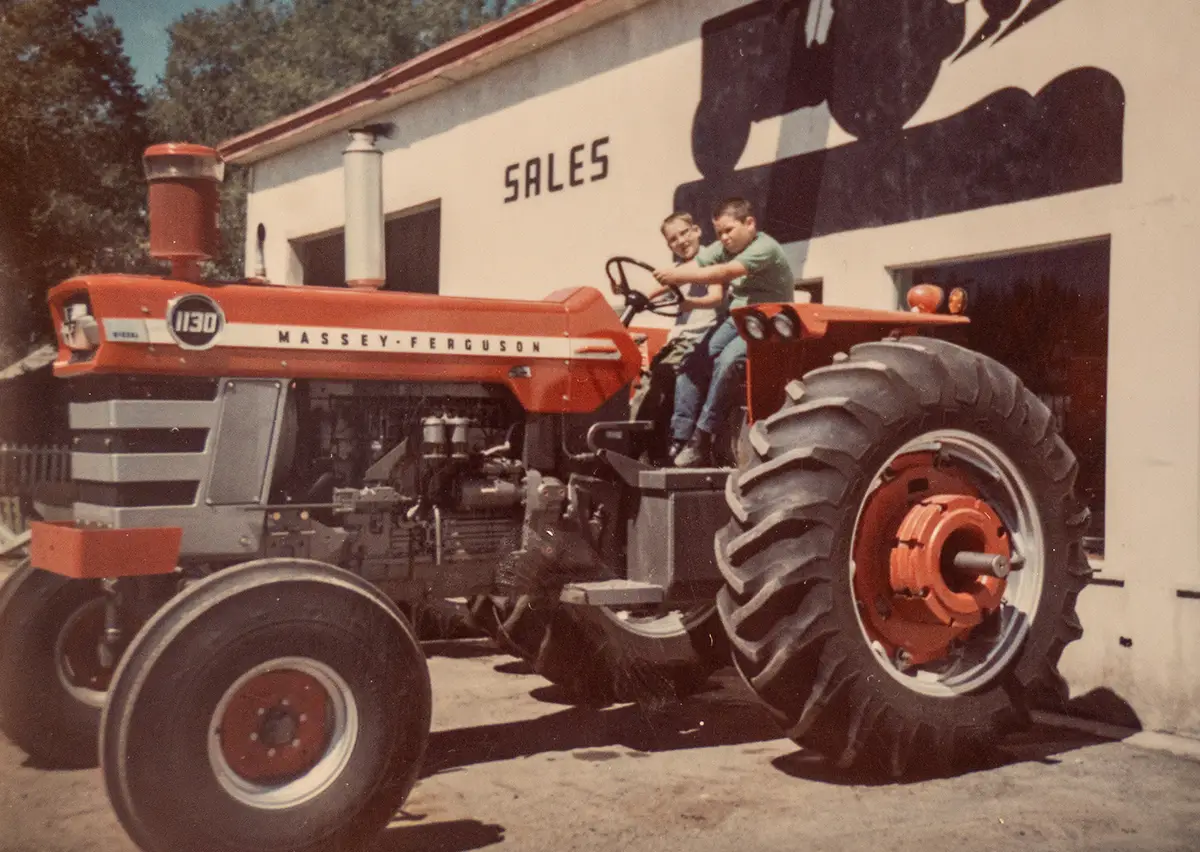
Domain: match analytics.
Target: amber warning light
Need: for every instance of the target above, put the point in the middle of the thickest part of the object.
(927, 299)
(184, 205)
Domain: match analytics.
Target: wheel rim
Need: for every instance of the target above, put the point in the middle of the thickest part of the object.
(77, 656)
(938, 495)
(283, 733)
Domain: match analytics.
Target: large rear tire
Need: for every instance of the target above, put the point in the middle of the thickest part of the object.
(858, 661)
(277, 705)
(52, 685)
(599, 656)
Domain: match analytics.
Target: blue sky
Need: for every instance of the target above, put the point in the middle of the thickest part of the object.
(144, 25)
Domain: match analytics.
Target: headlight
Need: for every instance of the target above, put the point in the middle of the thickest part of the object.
(79, 331)
(756, 326)
(785, 324)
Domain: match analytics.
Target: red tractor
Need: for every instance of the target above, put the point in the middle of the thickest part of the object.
(265, 473)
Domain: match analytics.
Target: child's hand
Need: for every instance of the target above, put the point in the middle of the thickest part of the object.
(666, 275)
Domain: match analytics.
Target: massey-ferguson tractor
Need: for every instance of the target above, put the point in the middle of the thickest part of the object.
(265, 474)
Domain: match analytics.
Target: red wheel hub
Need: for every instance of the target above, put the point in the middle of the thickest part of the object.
(78, 649)
(276, 726)
(910, 597)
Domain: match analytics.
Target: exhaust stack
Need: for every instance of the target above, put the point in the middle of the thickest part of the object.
(184, 205)
(362, 168)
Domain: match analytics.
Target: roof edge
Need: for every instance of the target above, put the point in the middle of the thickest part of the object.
(514, 27)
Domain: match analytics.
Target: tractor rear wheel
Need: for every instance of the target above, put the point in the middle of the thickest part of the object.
(849, 606)
(52, 681)
(277, 705)
(599, 655)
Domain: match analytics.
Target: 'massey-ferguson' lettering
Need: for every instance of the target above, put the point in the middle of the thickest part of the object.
(436, 344)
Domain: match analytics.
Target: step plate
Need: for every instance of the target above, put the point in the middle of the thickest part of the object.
(612, 593)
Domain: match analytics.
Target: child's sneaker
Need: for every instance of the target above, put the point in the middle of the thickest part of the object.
(698, 452)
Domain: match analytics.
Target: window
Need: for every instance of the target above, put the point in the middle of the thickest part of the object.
(412, 252)
(414, 243)
(323, 260)
(811, 291)
(1044, 314)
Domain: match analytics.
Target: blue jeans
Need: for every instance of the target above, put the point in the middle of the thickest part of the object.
(705, 381)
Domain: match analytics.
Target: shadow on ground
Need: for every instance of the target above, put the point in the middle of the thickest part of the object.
(721, 716)
(406, 834)
(1104, 705)
(1040, 744)
(459, 649)
(726, 713)
(514, 667)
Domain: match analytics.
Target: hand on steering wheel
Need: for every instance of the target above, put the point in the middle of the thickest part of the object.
(668, 304)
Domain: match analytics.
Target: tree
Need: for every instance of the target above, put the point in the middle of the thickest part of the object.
(72, 128)
(239, 66)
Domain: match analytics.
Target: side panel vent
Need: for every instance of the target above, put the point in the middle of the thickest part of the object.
(244, 439)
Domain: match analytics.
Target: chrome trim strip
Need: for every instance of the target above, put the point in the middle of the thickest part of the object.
(139, 467)
(144, 414)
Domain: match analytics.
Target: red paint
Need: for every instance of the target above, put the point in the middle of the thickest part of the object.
(566, 385)
(825, 330)
(66, 549)
(184, 204)
(183, 219)
(925, 298)
(907, 523)
(939, 526)
(180, 149)
(275, 726)
(655, 339)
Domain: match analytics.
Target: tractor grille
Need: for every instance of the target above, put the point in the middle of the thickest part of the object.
(140, 441)
(107, 388)
(150, 451)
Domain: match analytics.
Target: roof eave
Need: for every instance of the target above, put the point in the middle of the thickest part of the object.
(529, 29)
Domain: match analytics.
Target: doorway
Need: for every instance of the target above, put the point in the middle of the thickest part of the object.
(412, 253)
(1044, 314)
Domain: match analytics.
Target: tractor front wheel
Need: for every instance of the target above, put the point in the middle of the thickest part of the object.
(278, 705)
(52, 677)
(904, 557)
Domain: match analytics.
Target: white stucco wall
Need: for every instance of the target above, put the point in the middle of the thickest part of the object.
(636, 80)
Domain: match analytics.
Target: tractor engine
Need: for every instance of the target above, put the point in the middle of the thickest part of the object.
(404, 436)
(400, 481)
(413, 485)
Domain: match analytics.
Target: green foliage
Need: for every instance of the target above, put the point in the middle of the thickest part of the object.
(241, 65)
(73, 123)
(72, 127)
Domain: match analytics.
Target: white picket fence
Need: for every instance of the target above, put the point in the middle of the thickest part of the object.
(22, 468)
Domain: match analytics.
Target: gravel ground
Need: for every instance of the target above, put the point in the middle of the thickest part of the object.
(510, 768)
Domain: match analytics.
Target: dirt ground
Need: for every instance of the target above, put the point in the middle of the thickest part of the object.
(509, 768)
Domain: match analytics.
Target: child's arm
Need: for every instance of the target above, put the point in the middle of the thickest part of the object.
(714, 297)
(692, 272)
(717, 277)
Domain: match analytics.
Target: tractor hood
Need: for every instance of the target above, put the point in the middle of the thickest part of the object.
(566, 353)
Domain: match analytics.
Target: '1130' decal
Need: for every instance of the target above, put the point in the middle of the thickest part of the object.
(202, 321)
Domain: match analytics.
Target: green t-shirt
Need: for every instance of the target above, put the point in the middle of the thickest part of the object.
(768, 276)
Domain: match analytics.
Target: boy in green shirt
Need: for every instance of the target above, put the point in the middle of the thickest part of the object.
(753, 269)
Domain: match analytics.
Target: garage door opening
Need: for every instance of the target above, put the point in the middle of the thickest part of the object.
(1044, 314)
(412, 248)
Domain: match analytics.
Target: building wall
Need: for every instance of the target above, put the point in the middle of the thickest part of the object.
(1069, 120)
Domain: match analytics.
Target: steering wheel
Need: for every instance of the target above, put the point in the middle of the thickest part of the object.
(669, 304)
